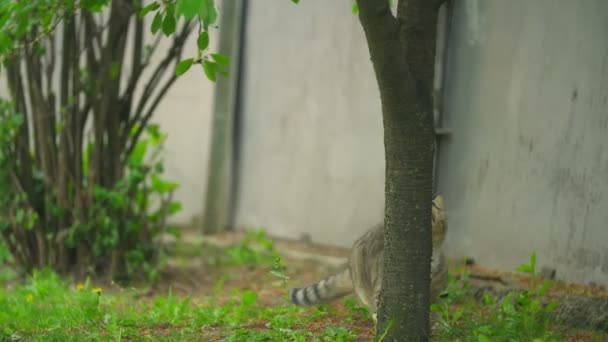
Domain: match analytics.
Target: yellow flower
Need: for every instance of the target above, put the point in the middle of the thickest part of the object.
(29, 298)
(80, 286)
(97, 290)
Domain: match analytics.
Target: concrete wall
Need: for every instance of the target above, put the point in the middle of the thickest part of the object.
(527, 166)
(185, 115)
(312, 157)
(524, 170)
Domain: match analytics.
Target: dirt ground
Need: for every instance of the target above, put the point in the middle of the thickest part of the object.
(193, 276)
(307, 263)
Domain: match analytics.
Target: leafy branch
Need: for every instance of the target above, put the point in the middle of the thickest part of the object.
(204, 11)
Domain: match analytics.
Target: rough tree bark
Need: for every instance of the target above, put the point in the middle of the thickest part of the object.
(402, 50)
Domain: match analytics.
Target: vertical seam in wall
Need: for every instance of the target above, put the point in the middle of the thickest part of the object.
(237, 119)
(449, 10)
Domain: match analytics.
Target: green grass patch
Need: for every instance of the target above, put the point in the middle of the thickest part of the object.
(523, 315)
(45, 307)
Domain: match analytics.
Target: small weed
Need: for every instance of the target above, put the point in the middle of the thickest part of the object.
(458, 290)
(385, 332)
(338, 334)
(254, 249)
(278, 271)
(529, 268)
(353, 308)
(519, 315)
(168, 309)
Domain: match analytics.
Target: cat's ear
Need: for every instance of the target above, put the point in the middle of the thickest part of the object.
(438, 201)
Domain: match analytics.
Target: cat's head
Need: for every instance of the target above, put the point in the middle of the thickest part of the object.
(439, 221)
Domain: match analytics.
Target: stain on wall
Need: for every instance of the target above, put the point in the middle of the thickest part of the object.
(530, 101)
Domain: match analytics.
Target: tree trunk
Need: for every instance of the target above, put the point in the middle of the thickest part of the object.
(402, 53)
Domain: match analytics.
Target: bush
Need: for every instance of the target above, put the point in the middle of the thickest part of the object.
(81, 187)
(93, 228)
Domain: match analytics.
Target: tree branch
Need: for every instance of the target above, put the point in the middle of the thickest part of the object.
(43, 117)
(138, 42)
(175, 51)
(146, 118)
(142, 116)
(50, 70)
(386, 49)
(76, 132)
(15, 85)
(136, 76)
(378, 23)
(108, 85)
(66, 97)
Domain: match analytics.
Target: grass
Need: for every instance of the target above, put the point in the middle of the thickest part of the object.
(47, 308)
(246, 302)
(519, 314)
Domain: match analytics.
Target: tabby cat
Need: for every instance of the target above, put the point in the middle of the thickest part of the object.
(363, 270)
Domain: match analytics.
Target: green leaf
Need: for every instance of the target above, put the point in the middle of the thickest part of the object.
(355, 8)
(295, 1)
(151, 7)
(483, 338)
(174, 207)
(484, 329)
(279, 275)
(533, 262)
(220, 59)
(174, 231)
(20, 216)
(114, 70)
(210, 69)
(183, 66)
(137, 156)
(545, 286)
(190, 8)
(203, 40)
(551, 306)
(457, 315)
(94, 5)
(525, 268)
(249, 298)
(162, 186)
(169, 23)
(157, 22)
(209, 15)
(154, 133)
(85, 158)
